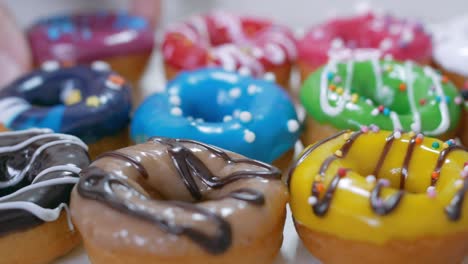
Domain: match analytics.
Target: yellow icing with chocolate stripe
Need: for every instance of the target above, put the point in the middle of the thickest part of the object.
(407, 207)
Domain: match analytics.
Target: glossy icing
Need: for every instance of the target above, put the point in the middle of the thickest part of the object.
(381, 186)
(90, 102)
(230, 41)
(392, 95)
(451, 45)
(399, 38)
(38, 170)
(253, 117)
(83, 38)
(206, 194)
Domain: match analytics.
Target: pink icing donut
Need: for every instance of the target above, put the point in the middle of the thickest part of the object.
(233, 42)
(399, 38)
(83, 38)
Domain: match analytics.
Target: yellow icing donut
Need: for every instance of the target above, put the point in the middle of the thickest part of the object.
(382, 196)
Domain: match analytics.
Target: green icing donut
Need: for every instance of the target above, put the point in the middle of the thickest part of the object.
(389, 94)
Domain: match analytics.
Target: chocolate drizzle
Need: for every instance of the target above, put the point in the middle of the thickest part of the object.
(442, 158)
(406, 162)
(191, 167)
(100, 185)
(322, 205)
(384, 207)
(453, 210)
(307, 152)
(388, 145)
(379, 206)
(122, 156)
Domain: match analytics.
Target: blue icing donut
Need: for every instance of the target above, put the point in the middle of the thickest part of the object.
(90, 102)
(253, 117)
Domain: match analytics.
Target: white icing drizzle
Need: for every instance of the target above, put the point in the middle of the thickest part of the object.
(45, 214)
(416, 126)
(396, 121)
(340, 105)
(443, 108)
(273, 44)
(231, 56)
(10, 107)
(63, 168)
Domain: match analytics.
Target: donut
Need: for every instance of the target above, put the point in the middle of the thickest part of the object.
(370, 94)
(396, 38)
(249, 116)
(38, 170)
(256, 46)
(123, 40)
(179, 201)
(90, 102)
(450, 46)
(409, 209)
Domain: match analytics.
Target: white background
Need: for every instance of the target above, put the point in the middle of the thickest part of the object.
(297, 13)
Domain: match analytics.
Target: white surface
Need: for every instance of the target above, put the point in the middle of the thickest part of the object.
(297, 13)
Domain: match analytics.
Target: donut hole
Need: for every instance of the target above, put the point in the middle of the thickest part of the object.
(51, 93)
(220, 34)
(220, 99)
(392, 168)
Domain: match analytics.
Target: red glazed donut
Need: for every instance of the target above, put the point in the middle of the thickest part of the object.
(247, 44)
(398, 38)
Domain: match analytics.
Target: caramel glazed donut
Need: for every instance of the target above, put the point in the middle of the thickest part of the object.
(38, 170)
(161, 202)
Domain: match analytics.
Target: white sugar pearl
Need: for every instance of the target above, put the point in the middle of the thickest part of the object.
(173, 91)
(235, 93)
(337, 43)
(257, 52)
(175, 100)
(397, 134)
(293, 125)
(245, 116)
(176, 111)
(49, 66)
(458, 183)
(252, 89)
(269, 77)
(371, 179)
(100, 66)
(375, 112)
(386, 44)
(249, 136)
(227, 118)
(244, 71)
(312, 200)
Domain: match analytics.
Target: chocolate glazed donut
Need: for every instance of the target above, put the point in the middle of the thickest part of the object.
(38, 170)
(186, 200)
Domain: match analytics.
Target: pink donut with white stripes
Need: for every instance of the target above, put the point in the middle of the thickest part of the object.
(219, 39)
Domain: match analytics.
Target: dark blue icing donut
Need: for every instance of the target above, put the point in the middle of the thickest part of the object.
(250, 116)
(90, 102)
